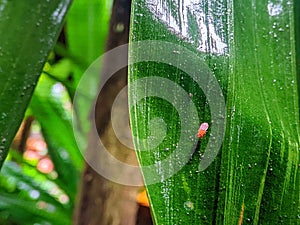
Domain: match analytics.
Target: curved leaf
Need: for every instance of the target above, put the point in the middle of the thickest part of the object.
(37, 197)
(29, 30)
(86, 31)
(249, 46)
(50, 109)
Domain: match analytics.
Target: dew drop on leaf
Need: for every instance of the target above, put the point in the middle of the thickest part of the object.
(188, 205)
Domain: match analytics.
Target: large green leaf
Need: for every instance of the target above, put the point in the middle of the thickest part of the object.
(249, 47)
(28, 32)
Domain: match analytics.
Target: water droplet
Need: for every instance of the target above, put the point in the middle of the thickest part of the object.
(63, 154)
(3, 115)
(34, 194)
(274, 9)
(188, 205)
(38, 23)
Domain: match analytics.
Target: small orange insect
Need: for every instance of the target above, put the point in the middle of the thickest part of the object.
(202, 130)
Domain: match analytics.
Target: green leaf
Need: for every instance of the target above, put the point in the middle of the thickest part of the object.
(27, 180)
(249, 47)
(49, 105)
(86, 31)
(31, 208)
(37, 197)
(29, 30)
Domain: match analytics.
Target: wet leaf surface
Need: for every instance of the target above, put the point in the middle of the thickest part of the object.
(29, 31)
(249, 48)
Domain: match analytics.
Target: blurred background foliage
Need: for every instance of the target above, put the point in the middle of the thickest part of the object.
(40, 176)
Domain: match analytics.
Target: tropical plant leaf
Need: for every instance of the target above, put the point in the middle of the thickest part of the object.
(29, 32)
(28, 182)
(49, 105)
(37, 200)
(11, 203)
(86, 32)
(249, 47)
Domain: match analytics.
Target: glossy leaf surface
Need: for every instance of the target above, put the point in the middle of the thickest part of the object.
(249, 47)
(29, 30)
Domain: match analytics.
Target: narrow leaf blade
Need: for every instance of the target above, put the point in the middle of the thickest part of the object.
(29, 33)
